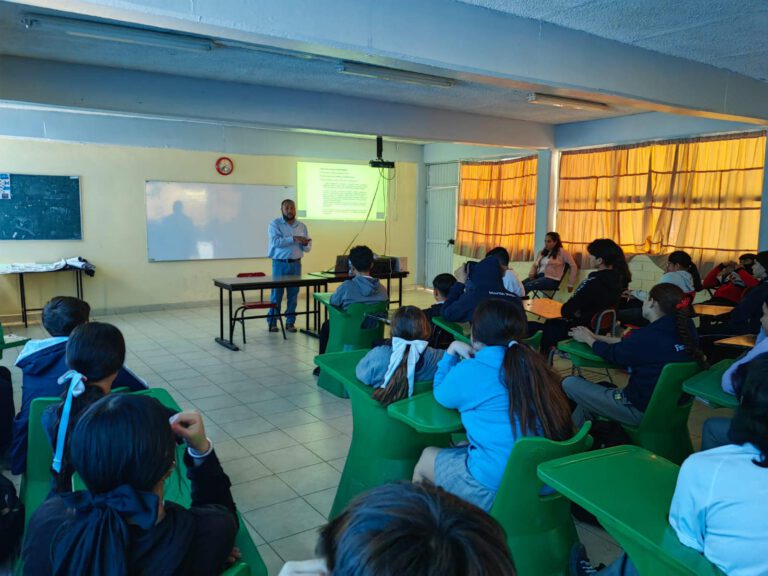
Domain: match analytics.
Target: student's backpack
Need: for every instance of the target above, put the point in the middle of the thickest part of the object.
(11, 519)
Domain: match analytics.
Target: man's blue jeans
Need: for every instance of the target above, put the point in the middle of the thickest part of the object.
(285, 269)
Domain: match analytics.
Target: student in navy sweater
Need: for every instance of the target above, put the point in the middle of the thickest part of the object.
(485, 281)
(600, 291)
(124, 448)
(42, 362)
(670, 337)
(503, 391)
(441, 286)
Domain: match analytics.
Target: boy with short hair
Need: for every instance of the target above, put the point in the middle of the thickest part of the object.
(361, 288)
(441, 285)
(42, 362)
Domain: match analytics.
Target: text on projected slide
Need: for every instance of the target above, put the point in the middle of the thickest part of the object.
(328, 191)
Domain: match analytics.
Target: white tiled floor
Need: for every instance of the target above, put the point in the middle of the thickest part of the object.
(282, 441)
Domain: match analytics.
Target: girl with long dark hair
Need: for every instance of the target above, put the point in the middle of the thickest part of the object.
(549, 267)
(504, 390)
(393, 367)
(669, 337)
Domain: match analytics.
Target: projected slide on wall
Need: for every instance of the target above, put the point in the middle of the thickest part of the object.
(329, 191)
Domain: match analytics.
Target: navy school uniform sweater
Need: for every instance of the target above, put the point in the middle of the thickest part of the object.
(645, 352)
(599, 291)
(42, 362)
(745, 317)
(485, 281)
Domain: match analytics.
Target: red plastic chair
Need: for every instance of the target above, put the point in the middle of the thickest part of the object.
(260, 304)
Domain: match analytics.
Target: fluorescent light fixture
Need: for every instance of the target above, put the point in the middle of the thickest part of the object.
(394, 74)
(111, 32)
(564, 102)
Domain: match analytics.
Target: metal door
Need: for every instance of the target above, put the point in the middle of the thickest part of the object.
(442, 187)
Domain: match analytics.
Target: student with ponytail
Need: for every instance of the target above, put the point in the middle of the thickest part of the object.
(95, 354)
(393, 367)
(669, 337)
(503, 390)
(123, 446)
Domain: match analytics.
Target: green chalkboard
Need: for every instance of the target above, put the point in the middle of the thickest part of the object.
(39, 207)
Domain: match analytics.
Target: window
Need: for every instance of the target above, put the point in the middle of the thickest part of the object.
(702, 196)
(497, 207)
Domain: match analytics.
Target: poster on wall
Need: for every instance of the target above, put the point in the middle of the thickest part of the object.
(34, 207)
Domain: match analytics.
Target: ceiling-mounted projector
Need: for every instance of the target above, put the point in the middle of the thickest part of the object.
(379, 162)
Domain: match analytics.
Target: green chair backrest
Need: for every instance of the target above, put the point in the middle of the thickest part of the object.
(539, 528)
(382, 449)
(36, 481)
(347, 332)
(664, 427)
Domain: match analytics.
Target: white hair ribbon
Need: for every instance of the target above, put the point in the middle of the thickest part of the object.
(76, 387)
(398, 351)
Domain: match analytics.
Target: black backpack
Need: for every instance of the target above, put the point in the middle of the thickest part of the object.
(11, 519)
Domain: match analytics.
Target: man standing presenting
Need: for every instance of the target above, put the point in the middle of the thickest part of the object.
(288, 241)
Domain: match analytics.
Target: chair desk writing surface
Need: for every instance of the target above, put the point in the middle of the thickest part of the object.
(10, 341)
(743, 341)
(544, 308)
(459, 330)
(629, 490)
(707, 386)
(711, 309)
(582, 351)
(425, 415)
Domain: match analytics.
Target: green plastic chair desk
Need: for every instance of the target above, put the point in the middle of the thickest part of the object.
(664, 427)
(10, 341)
(382, 449)
(539, 528)
(706, 386)
(423, 413)
(347, 333)
(581, 356)
(629, 490)
(460, 332)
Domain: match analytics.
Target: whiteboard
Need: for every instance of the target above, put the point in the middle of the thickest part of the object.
(199, 221)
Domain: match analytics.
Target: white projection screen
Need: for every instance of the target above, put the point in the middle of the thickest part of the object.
(199, 221)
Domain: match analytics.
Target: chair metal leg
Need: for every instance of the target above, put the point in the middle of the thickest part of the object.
(242, 323)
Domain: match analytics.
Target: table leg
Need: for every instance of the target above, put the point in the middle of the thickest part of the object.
(220, 340)
(23, 295)
(79, 283)
(315, 313)
(306, 294)
(400, 291)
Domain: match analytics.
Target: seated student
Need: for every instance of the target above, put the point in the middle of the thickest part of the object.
(503, 391)
(745, 317)
(680, 271)
(123, 448)
(510, 280)
(720, 505)
(669, 337)
(361, 288)
(441, 285)
(730, 280)
(484, 281)
(95, 353)
(549, 267)
(403, 528)
(42, 362)
(599, 291)
(393, 367)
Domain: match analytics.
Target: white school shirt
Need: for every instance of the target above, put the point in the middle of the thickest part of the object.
(720, 508)
(512, 284)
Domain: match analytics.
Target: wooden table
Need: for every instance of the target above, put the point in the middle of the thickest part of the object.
(711, 309)
(635, 511)
(423, 413)
(543, 308)
(316, 283)
(707, 386)
(743, 341)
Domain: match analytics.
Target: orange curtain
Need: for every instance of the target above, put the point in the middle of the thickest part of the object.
(497, 207)
(702, 196)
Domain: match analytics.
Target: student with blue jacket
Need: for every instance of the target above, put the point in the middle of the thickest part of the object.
(670, 337)
(42, 362)
(503, 390)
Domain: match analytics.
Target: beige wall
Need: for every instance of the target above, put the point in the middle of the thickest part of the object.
(114, 223)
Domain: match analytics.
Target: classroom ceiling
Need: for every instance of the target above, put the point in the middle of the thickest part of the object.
(318, 74)
(729, 34)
